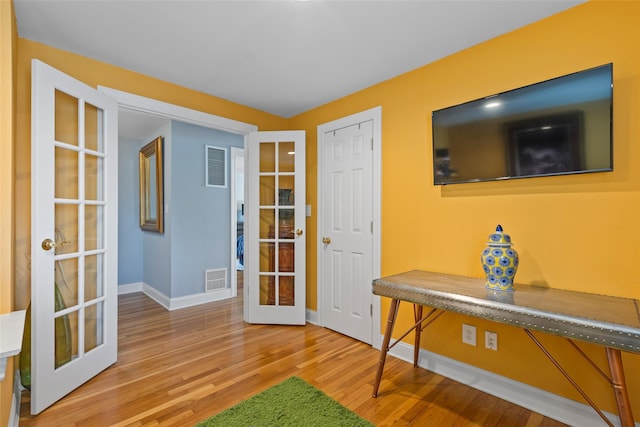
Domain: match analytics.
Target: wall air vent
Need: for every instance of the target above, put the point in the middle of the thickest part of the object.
(215, 166)
(215, 280)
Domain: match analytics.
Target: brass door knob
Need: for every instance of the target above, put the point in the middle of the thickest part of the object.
(299, 232)
(326, 240)
(48, 244)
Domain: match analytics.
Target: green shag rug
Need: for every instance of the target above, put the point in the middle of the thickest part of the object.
(293, 402)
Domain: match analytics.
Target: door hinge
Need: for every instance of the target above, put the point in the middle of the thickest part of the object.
(371, 310)
(371, 144)
(371, 227)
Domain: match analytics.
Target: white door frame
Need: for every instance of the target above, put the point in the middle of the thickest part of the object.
(157, 108)
(236, 154)
(374, 114)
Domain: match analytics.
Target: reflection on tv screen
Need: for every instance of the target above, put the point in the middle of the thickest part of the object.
(559, 126)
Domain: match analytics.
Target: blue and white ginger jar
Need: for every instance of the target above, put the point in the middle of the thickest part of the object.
(499, 261)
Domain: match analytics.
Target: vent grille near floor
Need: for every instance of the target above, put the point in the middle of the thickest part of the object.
(215, 279)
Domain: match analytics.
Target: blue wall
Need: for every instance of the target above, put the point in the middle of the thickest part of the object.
(200, 215)
(129, 233)
(156, 247)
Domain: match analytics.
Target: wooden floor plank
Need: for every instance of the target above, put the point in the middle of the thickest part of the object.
(176, 368)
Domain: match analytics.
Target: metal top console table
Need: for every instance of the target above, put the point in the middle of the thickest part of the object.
(611, 322)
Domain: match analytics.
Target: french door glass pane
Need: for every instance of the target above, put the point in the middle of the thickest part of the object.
(66, 118)
(285, 257)
(93, 281)
(66, 343)
(267, 222)
(267, 157)
(286, 190)
(267, 190)
(66, 228)
(286, 157)
(266, 257)
(93, 325)
(66, 179)
(67, 282)
(286, 290)
(94, 185)
(267, 292)
(93, 218)
(92, 128)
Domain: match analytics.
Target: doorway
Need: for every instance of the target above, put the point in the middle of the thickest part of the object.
(159, 111)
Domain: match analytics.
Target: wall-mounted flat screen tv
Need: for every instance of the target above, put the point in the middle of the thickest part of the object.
(556, 127)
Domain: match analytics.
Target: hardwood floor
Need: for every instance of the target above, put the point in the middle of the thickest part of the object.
(177, 368)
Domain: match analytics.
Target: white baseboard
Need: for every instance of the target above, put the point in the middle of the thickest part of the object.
(174, 303)
(157, 296)
(197, 299)
(312, 317)
(548, 404)
(130, 288)
(14, 415)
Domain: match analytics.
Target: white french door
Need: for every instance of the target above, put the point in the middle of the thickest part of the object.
(74, 231)
(275, 228)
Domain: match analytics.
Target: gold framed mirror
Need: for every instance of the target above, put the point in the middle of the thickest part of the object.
(152, 187)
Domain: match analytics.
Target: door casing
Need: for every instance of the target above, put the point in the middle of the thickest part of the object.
(237, 157)
(374, 114)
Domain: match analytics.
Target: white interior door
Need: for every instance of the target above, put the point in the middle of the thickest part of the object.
(275, 228)
(346, 230)
(74, 231)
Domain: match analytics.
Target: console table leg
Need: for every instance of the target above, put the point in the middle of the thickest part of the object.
(620, 387)
(393, 310)
(417, 313)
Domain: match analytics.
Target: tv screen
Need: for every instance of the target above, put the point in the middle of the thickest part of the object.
(559, 126)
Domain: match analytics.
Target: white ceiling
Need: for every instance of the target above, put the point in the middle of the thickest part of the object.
(283, 57)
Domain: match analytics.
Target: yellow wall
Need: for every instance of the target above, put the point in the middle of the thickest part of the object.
(579, 232)
(7, 102)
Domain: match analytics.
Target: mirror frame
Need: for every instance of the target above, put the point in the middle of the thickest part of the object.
(151, 214)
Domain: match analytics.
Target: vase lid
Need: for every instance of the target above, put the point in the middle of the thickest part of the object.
(499, 236)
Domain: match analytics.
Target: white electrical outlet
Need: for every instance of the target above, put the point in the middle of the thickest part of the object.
(469, 334)
(491, 340)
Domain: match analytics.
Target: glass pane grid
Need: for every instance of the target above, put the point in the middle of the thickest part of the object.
(66, 146)
(79, 165)
(276, 231)
(65, 311)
